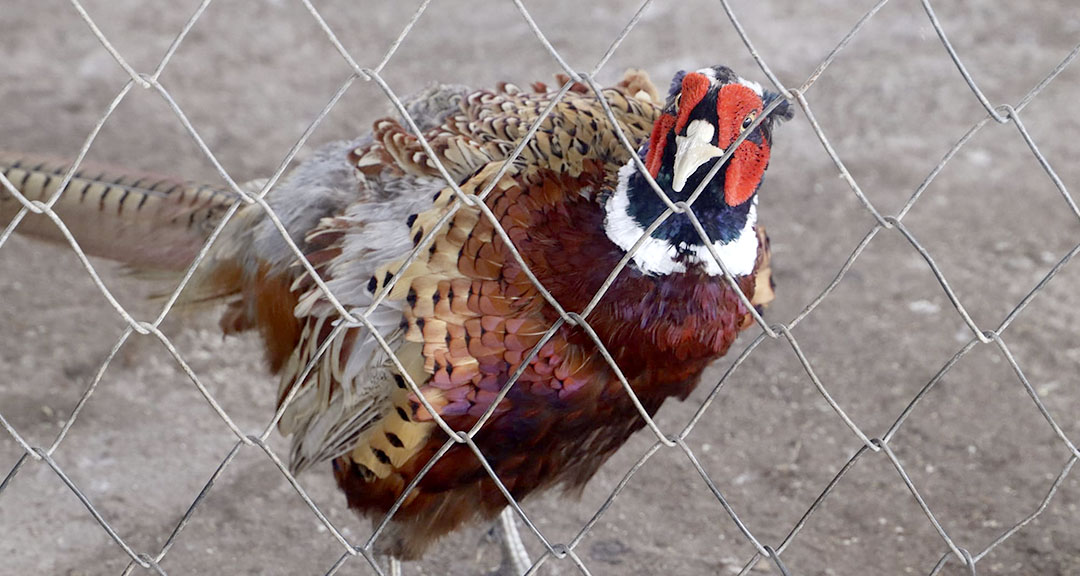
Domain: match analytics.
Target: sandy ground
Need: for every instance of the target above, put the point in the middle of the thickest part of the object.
(253, 74)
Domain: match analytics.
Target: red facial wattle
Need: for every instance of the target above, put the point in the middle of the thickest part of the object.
(747, 165)
(657, 142)
(693, 90)
(744, 172)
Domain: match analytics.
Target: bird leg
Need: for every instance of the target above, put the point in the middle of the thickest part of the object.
(515, 557)
(395, 566)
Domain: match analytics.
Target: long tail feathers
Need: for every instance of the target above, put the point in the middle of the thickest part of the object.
(146, 222)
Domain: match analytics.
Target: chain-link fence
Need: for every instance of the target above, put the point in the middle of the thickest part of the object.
(865, 443)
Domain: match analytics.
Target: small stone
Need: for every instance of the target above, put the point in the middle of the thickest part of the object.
(924, 307)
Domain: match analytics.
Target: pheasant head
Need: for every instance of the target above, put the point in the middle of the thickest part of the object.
(705, 113)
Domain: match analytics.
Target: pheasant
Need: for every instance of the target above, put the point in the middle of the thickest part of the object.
(463, 317)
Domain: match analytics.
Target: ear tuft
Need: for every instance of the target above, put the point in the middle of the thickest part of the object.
(782, 112)
(676, 85)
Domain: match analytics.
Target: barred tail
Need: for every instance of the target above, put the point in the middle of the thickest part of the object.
(143, 221)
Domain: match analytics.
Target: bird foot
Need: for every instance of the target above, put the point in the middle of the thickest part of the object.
(516, 559)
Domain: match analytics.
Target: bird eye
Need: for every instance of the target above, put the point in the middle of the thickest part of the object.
(749, 120)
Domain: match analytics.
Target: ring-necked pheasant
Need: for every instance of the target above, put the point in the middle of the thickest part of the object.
(464, 316)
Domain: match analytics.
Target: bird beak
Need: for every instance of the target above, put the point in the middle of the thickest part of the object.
(693, 150)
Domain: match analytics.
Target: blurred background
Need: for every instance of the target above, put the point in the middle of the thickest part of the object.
(253, 74)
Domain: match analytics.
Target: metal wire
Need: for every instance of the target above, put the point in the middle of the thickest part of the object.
(869, 445)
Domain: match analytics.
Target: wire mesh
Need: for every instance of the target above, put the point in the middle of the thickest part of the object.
(955, 547)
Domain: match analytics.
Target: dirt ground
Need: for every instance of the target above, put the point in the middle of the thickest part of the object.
(253, 74)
